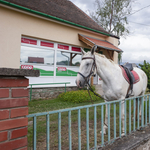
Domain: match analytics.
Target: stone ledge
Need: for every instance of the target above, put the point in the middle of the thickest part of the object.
(131, 141)
(19, 72)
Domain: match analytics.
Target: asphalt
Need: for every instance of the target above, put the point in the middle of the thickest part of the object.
(99, 89)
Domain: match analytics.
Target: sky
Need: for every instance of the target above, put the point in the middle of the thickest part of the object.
(136, 46)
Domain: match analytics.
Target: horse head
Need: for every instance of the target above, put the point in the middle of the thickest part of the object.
(87, 67)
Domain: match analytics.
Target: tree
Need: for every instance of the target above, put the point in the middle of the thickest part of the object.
(112, 15)
(146, 68)
(119, 58)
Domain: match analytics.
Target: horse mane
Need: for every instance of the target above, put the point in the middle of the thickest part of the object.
(103, 56)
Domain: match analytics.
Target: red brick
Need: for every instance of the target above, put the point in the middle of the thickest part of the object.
(4, 93)
(14, 123)
(11, 145)
(18, 133)
(3, 136)
(19, 92)
(4, 114)
(14, 82)
(8, 103)
(19, 112)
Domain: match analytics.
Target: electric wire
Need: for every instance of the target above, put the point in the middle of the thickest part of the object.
(138, 10)
(139, 23)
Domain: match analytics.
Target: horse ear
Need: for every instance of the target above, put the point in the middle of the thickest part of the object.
(93, 49)
(83, 52)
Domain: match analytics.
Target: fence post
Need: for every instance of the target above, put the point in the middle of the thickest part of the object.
(30, 92)
(14, 97)
(65, 87)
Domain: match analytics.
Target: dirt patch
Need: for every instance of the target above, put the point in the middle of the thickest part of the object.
(41, 131)
(41, 143)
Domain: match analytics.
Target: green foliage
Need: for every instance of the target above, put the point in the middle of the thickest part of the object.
(112, 15)
(79, 96)
(119, 58)
(146, 68)
(85, 88)
(93, 88)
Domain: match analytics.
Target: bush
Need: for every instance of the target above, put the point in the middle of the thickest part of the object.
(85, 88)
(146, 68)
(79, 96)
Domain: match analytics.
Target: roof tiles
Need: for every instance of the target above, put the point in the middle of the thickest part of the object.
(101, 43)
(63, 9)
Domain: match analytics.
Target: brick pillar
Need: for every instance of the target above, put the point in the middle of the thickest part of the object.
(13, 111)
(14, 108)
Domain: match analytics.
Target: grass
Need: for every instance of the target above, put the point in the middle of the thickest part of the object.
(147, 91)
(55, 104)
(36, 106)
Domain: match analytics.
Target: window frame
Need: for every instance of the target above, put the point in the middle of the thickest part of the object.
(38, 63)
(54, 49)
(73, 52)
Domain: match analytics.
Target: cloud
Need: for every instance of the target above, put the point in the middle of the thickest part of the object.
(84, 5)
(136, 48)
(141, 17)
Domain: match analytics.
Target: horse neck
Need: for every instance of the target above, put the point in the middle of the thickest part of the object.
(105, 68)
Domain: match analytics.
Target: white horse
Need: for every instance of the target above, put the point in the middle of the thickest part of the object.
(115, 86)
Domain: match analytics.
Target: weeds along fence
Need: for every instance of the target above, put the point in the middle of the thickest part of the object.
(82, 127)
(40, 85)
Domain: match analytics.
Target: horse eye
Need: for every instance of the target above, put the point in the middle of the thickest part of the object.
(87, 64)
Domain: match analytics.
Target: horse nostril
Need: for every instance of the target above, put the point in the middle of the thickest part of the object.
(78, 83)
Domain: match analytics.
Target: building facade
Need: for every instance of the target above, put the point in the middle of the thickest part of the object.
(48, 35)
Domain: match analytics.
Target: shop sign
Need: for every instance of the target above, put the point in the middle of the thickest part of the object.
(47, 44)
(64, 47)
(61, 69)
(77, 49)
(28, 41)
(30, 67)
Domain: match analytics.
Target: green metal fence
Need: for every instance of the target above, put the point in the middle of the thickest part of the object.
(114, 115)
(42, 84)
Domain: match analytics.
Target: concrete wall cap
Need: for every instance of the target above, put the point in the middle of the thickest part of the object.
(19, 72)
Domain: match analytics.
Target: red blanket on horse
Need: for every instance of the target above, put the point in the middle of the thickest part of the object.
(136, 76)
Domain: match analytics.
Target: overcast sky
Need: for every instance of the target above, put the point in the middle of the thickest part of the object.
(136, 46)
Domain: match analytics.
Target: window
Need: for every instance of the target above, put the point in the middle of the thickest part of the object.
(40, 52)
(36, 55)
(68, 59)
(28, 41)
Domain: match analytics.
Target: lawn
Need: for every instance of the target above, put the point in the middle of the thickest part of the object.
(50, 105)
(55, 104)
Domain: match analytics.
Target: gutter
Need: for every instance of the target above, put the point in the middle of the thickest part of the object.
(52, 17)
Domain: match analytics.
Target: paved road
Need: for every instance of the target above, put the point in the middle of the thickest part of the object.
(98, 89)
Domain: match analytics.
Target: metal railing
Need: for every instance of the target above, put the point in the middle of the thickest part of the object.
(31, 86)
(131, 105)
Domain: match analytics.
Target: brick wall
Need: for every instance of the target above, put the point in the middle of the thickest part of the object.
(13, 111)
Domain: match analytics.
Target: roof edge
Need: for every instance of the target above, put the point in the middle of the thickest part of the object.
(86, 37)
(102, 40)
(52, 17)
